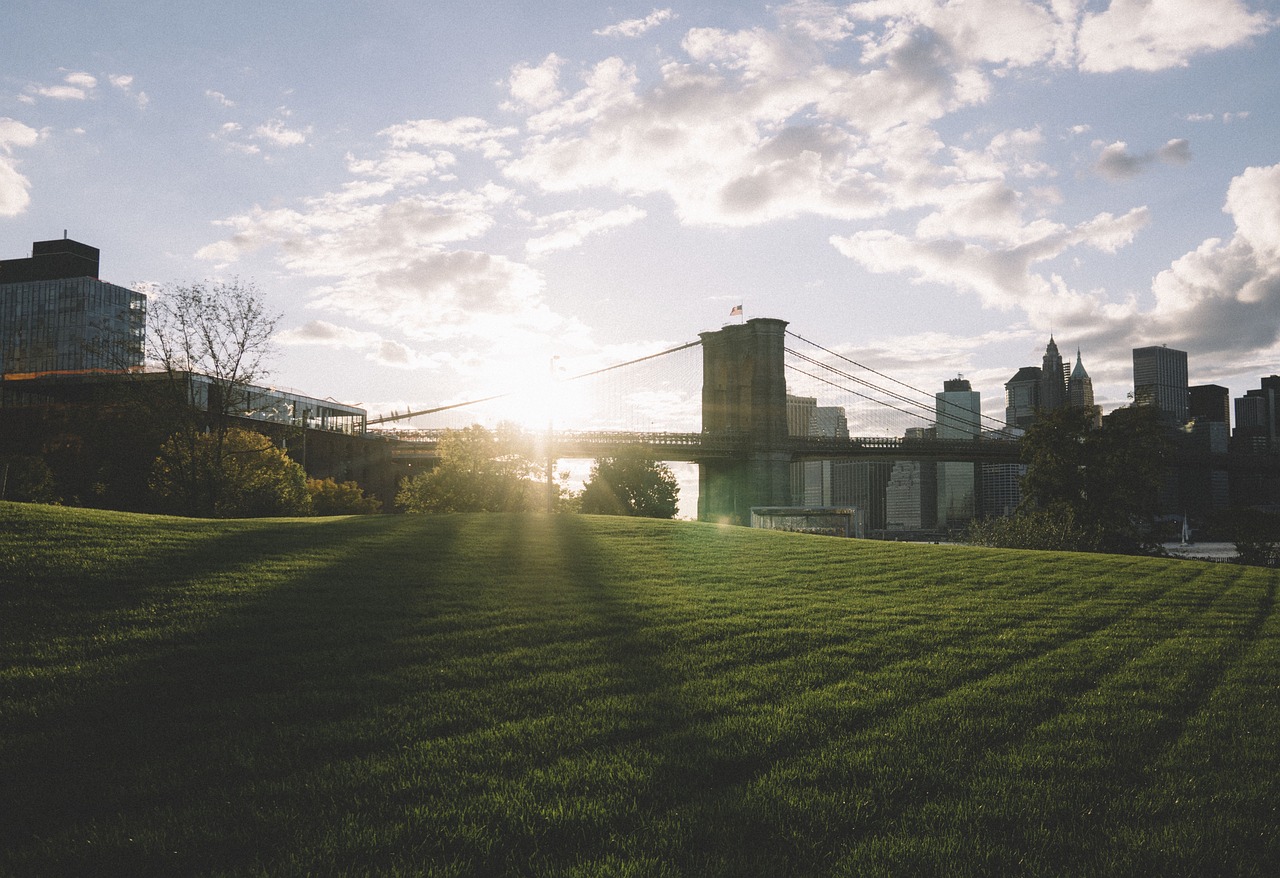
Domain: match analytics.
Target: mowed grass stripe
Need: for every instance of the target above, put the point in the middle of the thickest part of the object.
(463, 695)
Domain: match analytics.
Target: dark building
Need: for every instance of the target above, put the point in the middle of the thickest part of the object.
(1209, 402)
(1053, 379)
(1022, 397)
(1258, 418)
(51, 260)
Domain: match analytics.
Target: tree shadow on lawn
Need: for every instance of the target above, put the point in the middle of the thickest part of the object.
(183, 756)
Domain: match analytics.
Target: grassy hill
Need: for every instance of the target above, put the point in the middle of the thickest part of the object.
(532, 695)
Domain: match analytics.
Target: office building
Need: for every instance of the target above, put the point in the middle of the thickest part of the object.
(1080, 391)
(911, 495)
(1160, 380)
(800, 411)
(1022, 397)
(958, 409)
(57, 317)
(1258, 418)
(1209, 402)
(827, 422)
(1053, 379)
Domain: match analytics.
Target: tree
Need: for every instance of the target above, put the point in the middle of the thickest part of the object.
(478, 471)
(26, 478)
(242, 476)
(631, 486)
(220, 332)
(1102, 482)
(329, 497)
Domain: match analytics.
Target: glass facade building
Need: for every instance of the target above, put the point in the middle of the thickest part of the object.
(69, 325)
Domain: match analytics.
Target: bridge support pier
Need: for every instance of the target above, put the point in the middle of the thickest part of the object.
(744, 406)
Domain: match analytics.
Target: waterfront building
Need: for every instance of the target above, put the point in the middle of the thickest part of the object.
(57, 317)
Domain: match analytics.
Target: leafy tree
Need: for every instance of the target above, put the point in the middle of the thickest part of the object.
(329, 497)
(220, 331)
(26, 478)
(1256, 535)
(1053, 528)
(1104, 481)
(631, 486)
(241, 476)
(478, 471)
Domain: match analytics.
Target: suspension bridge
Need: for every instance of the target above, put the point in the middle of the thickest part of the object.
(737, 402)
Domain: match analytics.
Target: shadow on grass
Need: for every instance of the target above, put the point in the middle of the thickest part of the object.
(184, 756)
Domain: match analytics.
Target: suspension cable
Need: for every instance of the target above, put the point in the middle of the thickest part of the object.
(998, 424)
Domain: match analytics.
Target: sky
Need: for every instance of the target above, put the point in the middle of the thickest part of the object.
(447, 200)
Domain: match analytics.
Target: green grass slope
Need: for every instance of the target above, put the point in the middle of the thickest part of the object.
(532, 695)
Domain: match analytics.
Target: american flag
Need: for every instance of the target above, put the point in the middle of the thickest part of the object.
(736, 311)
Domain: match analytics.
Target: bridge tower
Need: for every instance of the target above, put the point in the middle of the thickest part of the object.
(744, 400)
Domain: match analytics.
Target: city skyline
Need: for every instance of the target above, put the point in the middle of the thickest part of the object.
(440, 199)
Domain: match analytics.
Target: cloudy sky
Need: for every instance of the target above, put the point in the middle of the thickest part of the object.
(440, 197)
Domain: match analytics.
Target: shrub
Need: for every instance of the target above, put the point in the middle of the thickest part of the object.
(329, 497)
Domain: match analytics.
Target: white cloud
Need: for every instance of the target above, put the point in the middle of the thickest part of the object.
(277, 133)
(1225, 295)
(1159, 34)
(385, 352)
(15, 189)
(571, 228)
(634, 27)
(1000, 276)
(466, 132)
(124, 83)
(1115, 162)
(535, 88)
(220, 99)
(76, 86)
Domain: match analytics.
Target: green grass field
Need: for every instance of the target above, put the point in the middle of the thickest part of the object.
(532, 695)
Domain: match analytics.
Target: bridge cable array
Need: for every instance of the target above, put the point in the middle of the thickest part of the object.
(962, 417)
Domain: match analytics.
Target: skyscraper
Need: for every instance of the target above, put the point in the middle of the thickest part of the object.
(1080, 390)
(1160, 380)
(1053, 379)
(958, 410)
(1022, 397)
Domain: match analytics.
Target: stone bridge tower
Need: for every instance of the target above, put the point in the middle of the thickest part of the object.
(744, 398)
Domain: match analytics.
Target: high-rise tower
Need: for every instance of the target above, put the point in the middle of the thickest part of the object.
(1080, 390)
(1160, 380)
(1053, 379)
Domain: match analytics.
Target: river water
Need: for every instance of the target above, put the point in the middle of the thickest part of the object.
(1202, 551)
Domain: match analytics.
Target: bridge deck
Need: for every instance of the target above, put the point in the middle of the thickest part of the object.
(708, 446)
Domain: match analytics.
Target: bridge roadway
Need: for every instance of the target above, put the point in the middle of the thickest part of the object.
(723, 446)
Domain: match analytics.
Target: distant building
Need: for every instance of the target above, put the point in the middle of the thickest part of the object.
(56, 317)
(800, 411)
(911, 495)
(1209, 402)
(958, 409)
(862, 484)
(828, 422)
(1258, 418)
(1080, 391)
(1053, 379)
(1160, 380)
(1022, 397)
